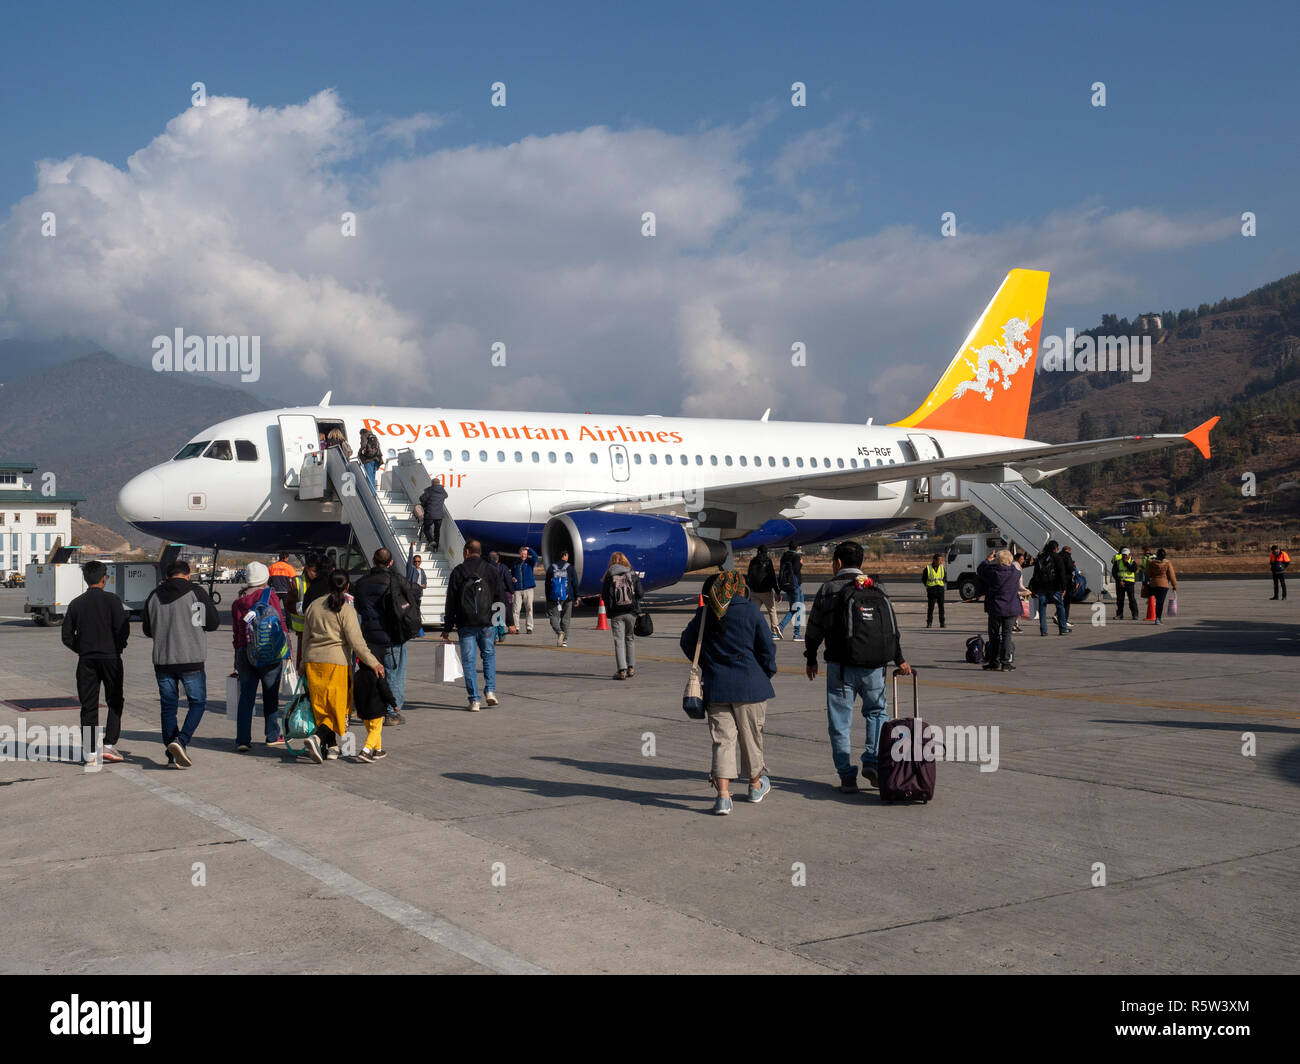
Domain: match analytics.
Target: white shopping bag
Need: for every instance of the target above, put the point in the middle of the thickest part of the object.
(288, 677)
(232, 696)
(446, 663)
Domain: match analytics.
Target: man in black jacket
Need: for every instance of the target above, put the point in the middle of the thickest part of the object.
(96, 628)
(433, 499)
(1047, 583)
(761, 579)
(476, 604)
(379, 596)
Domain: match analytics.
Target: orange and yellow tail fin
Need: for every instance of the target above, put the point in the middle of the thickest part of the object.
(986, 386)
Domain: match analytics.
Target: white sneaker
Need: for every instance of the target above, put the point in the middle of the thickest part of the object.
(491, 699)
(474, 707)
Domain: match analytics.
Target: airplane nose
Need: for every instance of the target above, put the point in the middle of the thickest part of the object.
(141, 498)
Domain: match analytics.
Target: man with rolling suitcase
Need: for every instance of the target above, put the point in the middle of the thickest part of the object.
(856, 620)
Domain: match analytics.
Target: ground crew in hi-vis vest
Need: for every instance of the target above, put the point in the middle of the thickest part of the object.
(299, 591)
(934, 579)
(1124, 569)
(1278, 560)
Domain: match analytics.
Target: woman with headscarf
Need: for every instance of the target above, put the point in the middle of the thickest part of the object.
(330, 634)
(737, 661)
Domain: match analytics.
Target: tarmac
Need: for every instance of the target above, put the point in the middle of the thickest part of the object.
(570, 828)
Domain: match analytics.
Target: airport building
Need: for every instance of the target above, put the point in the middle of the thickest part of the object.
(30, 519)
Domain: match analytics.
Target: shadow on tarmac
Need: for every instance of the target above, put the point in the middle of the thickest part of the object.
(1212, 637)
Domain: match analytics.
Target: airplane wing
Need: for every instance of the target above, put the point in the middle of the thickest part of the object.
(1031, 462)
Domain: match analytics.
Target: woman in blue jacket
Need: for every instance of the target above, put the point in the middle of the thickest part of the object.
(1002, 604)
(737, 660)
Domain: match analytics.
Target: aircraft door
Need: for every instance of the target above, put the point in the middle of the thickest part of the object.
(618, 462)
(926, 449)
(299, 438)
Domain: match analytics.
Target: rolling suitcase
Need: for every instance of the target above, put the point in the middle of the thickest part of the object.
(911, 777)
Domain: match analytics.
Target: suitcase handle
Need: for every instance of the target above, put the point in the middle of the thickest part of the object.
(916, 698)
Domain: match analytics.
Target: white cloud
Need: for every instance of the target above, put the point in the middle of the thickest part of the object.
(229, 222)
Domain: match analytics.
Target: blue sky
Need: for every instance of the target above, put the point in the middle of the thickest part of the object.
(980, 110)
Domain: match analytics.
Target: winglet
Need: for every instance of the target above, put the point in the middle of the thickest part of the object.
(1200, 436)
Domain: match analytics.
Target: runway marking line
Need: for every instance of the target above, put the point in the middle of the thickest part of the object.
(434, 928)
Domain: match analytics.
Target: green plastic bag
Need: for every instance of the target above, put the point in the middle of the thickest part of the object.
(299, 720)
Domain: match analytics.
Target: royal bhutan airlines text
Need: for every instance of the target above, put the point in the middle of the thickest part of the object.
(481, 430)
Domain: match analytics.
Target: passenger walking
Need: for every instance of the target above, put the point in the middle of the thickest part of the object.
(790, 581)
(1161, 579)
(178, 615)
(371, 456)
(433, 499)
(96, 628)
(507, 623)
(1071, 575)
(255, 618)
(737, 663)
(1019, 560)
(475, 601)
(855, 658)
(382, 598)
(335, 438)
(561, 590)
(761, 579)
(331, 635)
(621, 592)
(296, 603)
(1278, 560)
(525, 585)
(1124, 572)
(935, 579)
(1047, 584)
(419, 580)
(1001, 581)
(375, 703)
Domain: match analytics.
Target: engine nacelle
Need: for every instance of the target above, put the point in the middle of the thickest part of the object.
(660, 547)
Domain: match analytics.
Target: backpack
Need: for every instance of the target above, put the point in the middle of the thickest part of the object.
(475, 600)
(870, 634)
(787, 582)
(402, 616)
(1078, 587)
(756, 576)
(622, 591)
(558, 584)
(266, 639)
(975, 650)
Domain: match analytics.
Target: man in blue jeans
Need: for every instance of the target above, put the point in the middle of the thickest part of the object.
(177, 617)
(1048, 584)
(476, 604)
(845, 681)
(790, 580)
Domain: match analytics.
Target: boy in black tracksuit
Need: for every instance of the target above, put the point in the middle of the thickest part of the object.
(96, 627)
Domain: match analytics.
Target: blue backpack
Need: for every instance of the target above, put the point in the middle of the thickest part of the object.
(266, 639)
(559, 586)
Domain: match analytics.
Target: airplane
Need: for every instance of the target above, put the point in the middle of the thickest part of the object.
(673, 494)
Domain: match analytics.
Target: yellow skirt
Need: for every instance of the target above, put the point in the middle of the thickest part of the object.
(329, 687)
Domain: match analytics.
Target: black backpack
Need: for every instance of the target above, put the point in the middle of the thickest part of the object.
(975, 650)
(787, 583)
(402, 614)
(869, 632)
(475, 600)
(757, 576)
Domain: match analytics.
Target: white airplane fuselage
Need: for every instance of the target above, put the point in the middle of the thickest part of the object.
(508, 473)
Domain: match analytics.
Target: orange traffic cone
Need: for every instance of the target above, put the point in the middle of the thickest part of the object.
(602, 621)
(701, 603)
(1151, 608)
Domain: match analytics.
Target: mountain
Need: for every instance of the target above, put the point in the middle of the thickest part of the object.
(20, 357)
(97, 421)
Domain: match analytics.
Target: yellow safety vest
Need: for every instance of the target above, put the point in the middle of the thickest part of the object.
(1127, 570)
(934, 577)
(295, 618)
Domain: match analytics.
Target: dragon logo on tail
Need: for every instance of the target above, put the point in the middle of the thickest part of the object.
(996, 364)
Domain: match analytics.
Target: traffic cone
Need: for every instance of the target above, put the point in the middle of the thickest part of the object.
(602, 622)
(701, 602)
(1151, 608)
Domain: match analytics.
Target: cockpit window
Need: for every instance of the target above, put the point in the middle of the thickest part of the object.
(220, 449)
(191, 450)
(245, 451)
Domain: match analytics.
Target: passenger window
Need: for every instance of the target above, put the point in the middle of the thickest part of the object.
(744, 461)
(840, 462)
(245, 451)
(536, 457)
(636, 458)
(464, 456)
(853, 462)
(668, 459)
(519, 456)
(826, 462)
(482, 456)
(699, 459)
(550, 456)
(785, 461)
(428, 456)
(654, 459)
(446, 456)
(568, 457)
(771, 461)
(594, 459)
(685, 460)
(799, 462)
(220, 450)
(727, 459)
(501, 456)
